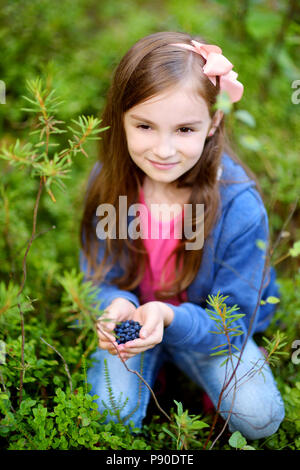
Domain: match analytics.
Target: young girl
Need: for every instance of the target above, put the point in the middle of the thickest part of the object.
(166, 148)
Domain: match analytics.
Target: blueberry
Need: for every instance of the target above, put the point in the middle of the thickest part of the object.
(127, 331)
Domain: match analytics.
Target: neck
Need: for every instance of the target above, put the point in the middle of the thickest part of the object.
(165, 190)
(159, 187)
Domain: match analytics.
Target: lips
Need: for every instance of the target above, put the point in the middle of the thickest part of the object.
(163, 166)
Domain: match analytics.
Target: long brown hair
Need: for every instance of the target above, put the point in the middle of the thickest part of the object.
(151, 66)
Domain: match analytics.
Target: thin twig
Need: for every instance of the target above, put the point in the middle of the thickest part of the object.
(85, 354)
(266, 265)
(62, 358)
(138, 374)
(22, 355)
(32, 234)
(286, 222)
(22, 287)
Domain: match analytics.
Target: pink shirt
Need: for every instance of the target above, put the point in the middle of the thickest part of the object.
(158, 250)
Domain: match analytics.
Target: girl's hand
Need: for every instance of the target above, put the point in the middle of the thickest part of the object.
(118, 310)
(154, 316)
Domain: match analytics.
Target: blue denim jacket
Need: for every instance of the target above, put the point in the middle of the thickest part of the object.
(232, 264)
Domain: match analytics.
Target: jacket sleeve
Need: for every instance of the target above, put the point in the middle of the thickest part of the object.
(239, 276)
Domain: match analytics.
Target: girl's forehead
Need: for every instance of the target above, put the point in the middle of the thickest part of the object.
(181, 98)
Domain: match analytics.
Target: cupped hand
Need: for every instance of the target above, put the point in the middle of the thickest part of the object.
(154, 316)
(118, 310)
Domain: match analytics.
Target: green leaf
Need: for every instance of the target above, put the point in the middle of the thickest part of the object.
(295, 250)
(245, 117)
(237, 440)
(85, 421)
(199, 425)
(169, 432)
(220, 346)
(261, 244)
(3, 396)
(272, 300)
(179, 408)
(223, 102)
(250, 142)
(219, 353)
(224, 362)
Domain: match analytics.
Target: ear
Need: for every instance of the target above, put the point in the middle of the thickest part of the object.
(218, 116)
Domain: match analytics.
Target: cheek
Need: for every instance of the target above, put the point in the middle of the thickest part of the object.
(193, 148)
(137, 144)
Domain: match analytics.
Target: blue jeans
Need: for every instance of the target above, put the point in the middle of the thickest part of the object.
(252, 396)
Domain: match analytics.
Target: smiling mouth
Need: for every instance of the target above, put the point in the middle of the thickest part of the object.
(163, 164)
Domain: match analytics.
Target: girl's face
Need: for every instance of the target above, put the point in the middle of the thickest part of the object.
(166, 134)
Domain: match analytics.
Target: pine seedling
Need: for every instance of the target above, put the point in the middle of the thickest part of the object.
(224, 317)
(80, 302)
(39, 154)
(185, 427)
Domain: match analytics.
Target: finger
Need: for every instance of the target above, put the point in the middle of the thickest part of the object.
(150, 326)
(134, 352)
(109, 349)
(105, 334)
(140, 343)
(109, 319)
(106, 344)
(112, 347)
(106, 326)
(106, 338)
(138, 350)
(128, 355)
(105, 341)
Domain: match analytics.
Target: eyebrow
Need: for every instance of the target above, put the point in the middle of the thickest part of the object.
(139, 118)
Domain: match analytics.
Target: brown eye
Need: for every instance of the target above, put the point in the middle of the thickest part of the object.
(185, 130)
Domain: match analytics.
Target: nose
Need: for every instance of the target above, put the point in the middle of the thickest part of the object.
(164, 148)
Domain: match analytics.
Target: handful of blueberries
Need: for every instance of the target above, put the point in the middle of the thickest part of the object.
(127, 331)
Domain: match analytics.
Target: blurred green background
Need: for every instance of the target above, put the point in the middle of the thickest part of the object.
(76, 44)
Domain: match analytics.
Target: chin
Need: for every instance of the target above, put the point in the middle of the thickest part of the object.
(164, 179)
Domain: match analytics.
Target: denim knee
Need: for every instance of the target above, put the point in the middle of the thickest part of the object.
(262, 422)
(121, 391)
